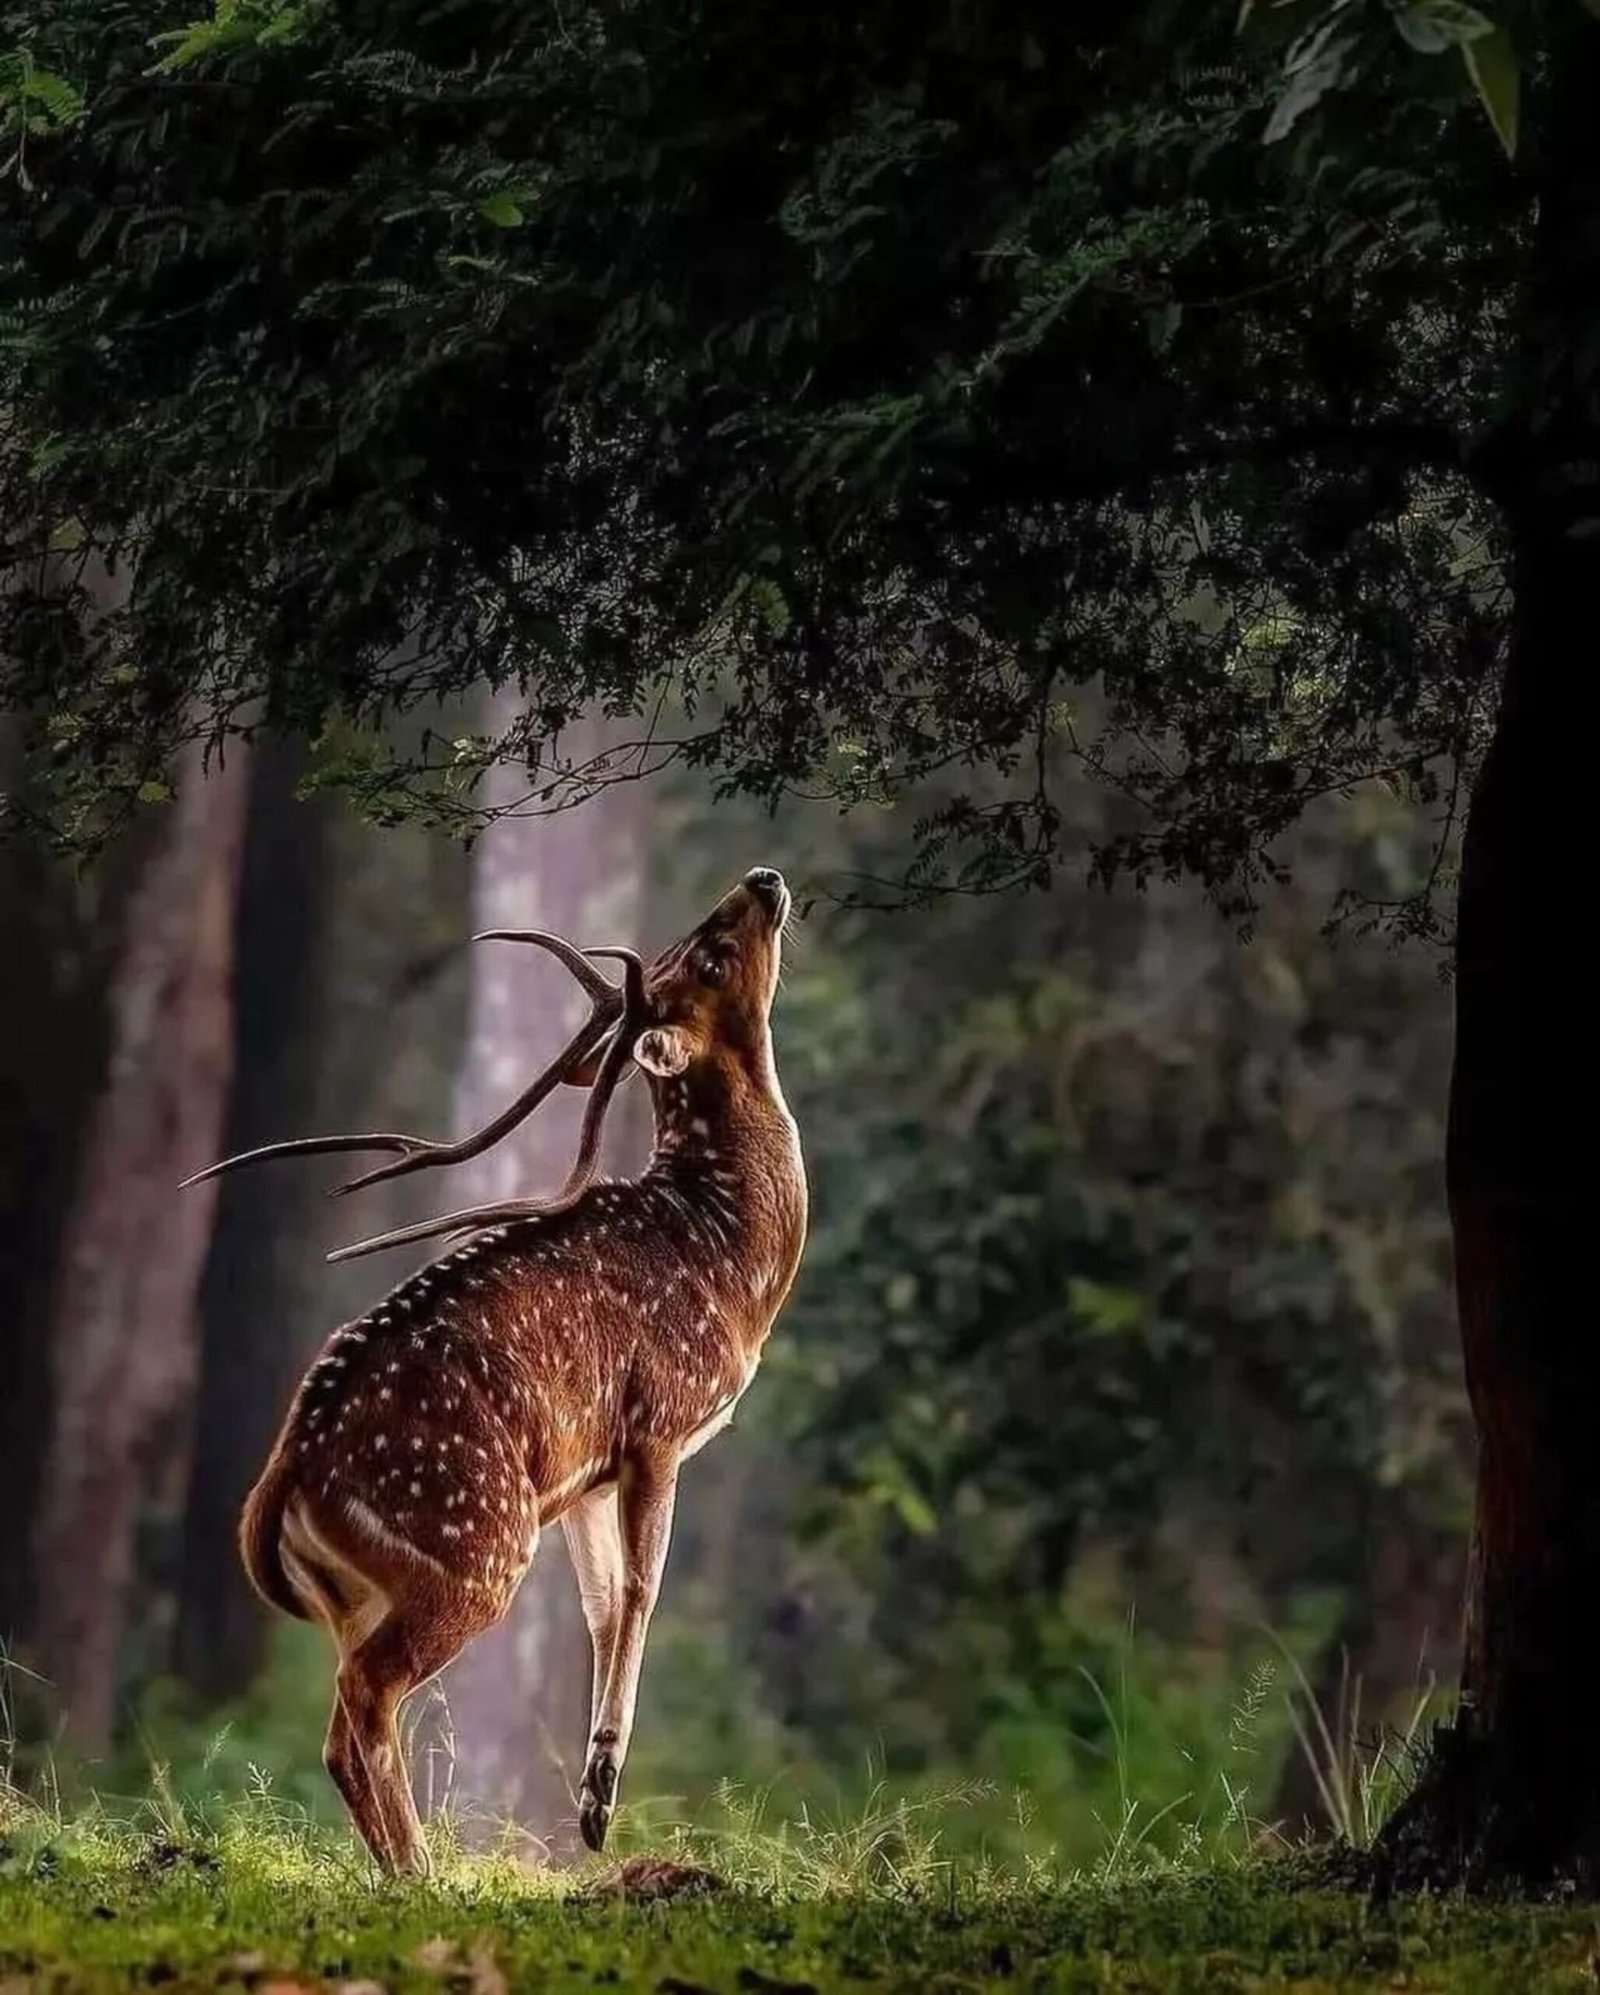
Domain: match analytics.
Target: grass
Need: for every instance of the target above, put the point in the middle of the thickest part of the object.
(1359, 1774)
(257, 1900)
(216, 1878)
(1116, 1750)
(251, 1894)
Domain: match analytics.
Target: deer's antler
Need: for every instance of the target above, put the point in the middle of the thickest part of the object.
(628, 1018)
(615, 1014)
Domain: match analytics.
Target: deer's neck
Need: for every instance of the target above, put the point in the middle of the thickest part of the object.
(726, 1147)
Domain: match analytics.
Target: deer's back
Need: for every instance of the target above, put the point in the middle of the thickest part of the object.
(524, 1363)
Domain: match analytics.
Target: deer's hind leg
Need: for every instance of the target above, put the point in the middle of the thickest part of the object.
(342, 1763)
(397, 1617)
(375, 1678)
(352, 1606)
(419, 1634)
(346, 1767)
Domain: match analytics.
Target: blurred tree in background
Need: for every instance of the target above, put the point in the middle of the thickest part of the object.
(519, 1697)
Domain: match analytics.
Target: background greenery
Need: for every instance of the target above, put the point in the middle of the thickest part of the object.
(1118, 1395)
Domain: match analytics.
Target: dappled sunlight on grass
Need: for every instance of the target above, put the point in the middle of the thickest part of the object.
(252, 1893)
(213, 1885)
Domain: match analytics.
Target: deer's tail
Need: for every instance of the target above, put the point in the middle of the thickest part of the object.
(260, 1539)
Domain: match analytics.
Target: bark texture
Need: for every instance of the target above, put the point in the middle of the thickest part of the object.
(254, 1302)
(51, 1020)
(1511, 1797)
(124, 1337)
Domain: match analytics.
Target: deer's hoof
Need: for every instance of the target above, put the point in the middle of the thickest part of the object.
(597, 1796)
(414, 1862)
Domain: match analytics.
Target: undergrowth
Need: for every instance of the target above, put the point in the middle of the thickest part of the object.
(1134, 1758)
(218, 1878)
(252, 1894)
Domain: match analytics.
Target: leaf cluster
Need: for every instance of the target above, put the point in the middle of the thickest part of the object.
(849, 390)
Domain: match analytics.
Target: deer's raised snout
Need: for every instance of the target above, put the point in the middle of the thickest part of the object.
(768, 886)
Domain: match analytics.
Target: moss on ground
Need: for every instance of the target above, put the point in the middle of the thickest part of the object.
(88, 1907)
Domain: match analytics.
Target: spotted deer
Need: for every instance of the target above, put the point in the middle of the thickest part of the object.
(562, 1361)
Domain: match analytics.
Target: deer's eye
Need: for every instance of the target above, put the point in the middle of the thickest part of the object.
(713, 968)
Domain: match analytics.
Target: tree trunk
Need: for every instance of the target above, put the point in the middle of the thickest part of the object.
(254, 1300)
(51, 1026)
(124, 1327)
(518, 1699)
(352, 1005)
(1511, 1795)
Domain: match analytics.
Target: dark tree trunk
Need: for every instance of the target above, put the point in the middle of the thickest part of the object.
(51, 1027)
(124, 1335)
(254, 1302)
(1512, 1793)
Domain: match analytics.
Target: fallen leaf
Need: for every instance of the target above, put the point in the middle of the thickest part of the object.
(649, 1877)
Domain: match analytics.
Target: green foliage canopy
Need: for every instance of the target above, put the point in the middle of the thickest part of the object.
(856, 385)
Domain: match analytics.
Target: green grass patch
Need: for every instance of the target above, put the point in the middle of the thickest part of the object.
(254, 1895)
(1147, 1868)
(1117, 1750)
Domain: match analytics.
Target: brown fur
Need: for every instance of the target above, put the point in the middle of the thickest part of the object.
(259, 1526)
(558, 1367)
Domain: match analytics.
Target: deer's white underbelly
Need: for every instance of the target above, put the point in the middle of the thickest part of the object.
(717, 1420)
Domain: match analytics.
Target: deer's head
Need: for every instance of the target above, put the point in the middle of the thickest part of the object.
(702, 1007)
(709, 997)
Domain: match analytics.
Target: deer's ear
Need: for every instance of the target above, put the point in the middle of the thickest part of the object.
(664, 1050)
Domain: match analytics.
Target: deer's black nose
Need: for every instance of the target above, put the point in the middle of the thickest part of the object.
(767, 883)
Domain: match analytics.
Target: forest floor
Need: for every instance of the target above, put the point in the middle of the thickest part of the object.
(276, 1910)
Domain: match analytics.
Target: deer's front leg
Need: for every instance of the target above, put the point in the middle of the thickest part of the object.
(594, 1542)
(646, 1491)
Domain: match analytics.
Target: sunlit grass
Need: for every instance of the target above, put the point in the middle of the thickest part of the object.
(249, 1891)
(1361, 1771)
(870, 1839)
(213, 1885)
(1158, 1790)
